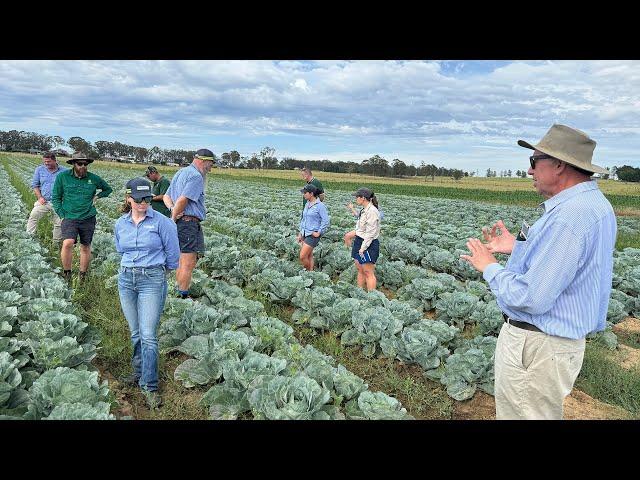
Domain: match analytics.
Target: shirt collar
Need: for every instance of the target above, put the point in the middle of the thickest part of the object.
(568, 193)
(196, 169)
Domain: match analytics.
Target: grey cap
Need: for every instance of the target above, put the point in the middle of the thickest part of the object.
(139, 188)
(364, 192)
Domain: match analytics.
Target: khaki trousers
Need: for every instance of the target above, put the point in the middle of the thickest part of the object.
(534, 372)
(40, 211)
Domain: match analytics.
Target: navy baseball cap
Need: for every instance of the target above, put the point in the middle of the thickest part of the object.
(311, 189)
(139, 188)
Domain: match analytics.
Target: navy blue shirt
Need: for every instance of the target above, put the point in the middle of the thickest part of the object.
(151, 243)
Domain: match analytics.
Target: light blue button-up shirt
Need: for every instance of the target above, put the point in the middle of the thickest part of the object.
(315, 218)
(151, 243)
(559, 279)
(44, 180)
(190, 183)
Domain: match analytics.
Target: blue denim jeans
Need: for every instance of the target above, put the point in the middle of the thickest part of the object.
(143, 292)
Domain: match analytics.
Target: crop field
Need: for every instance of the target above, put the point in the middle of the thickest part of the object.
(265, 340)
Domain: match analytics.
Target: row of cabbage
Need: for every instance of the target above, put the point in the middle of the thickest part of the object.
(252, 363)
(338, 307)
(45, 348)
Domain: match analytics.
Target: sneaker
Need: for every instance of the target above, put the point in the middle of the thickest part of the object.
(67, 276)
(129, 380)
(154, 400)
(82, 277)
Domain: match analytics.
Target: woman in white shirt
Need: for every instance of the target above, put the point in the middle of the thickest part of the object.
(366, 248)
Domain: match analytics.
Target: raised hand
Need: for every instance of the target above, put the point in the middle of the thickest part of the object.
(480, 256)
(498, 243)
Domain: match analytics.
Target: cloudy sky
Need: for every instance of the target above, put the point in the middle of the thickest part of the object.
(462, 114)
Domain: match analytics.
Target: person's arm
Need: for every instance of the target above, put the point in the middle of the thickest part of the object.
(324, 219)
(117, 238)
(162, 189)
(169, 236)
(105, 189)
(56, 196)
(553, 260)
(370, 227)
(167, 201)
(178, 207)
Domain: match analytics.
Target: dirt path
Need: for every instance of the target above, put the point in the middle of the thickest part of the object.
(577, 406)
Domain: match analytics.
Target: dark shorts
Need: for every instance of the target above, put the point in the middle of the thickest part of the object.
(374, 249)
(312, 241)
(72, 228)
(190, 236)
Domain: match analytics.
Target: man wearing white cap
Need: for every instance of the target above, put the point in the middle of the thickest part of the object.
(555, 287)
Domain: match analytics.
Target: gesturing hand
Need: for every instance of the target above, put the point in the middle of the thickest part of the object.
(498, 243)
(480, 256)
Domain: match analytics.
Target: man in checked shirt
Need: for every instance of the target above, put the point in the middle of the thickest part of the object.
(555, 287)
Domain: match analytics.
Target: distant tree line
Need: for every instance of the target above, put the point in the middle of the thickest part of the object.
(21, 141)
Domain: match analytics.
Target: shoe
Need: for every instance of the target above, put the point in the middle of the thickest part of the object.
(82, 277)
(154, 400)
(67, 276)
(129, 380)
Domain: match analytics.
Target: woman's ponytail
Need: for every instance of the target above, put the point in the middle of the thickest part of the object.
(374, 200)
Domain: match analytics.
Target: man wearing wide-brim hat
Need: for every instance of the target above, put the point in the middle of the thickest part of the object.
(74, 194)
(555, 288)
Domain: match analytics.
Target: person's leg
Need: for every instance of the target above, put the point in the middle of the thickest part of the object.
(57, 231)
(509, 373)
(36, 214)
(370, 277)
(552, 369)
(85, 258)
(150, 302)
(66, 253)
(306, 256)
(362, 282)
(186, 264)
(85, 230)
(129, 303)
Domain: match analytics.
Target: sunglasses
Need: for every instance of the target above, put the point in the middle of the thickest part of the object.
(143, 200)
(82, 164)
(534, 158)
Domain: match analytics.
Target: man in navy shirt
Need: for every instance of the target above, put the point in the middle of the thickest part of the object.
(185, 200)
(43, 180)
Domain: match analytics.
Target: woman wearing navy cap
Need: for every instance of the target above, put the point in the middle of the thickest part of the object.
(313, 224)
(148, 242)
(366, 247)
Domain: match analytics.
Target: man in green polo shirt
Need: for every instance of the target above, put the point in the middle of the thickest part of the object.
(73, 198)
(159, 188)
(308, 177)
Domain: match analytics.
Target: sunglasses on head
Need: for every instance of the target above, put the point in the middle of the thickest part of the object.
(534, 158)
(142, 200)
(82, 164)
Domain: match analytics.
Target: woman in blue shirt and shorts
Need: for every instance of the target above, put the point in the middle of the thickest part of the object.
(313, 224)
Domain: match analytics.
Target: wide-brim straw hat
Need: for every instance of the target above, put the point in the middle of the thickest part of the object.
(569, 145)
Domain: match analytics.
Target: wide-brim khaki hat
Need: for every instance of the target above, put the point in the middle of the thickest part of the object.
(569, 145)
(79, 156)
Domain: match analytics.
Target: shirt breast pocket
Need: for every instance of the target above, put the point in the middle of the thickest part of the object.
(516, 261)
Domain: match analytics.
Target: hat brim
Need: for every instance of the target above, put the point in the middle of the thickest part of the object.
(560, 156)
(140, 197)
(71, 161)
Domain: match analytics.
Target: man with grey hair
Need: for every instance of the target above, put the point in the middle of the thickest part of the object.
(308, 177)
(555, 287)
(43, 179)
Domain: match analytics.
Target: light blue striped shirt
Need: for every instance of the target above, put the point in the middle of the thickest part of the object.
(44, 179)
(315, 218)
(190, 183)
(559, 279)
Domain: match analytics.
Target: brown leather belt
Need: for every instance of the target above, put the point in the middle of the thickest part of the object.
(519, 324)
(189, 218)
